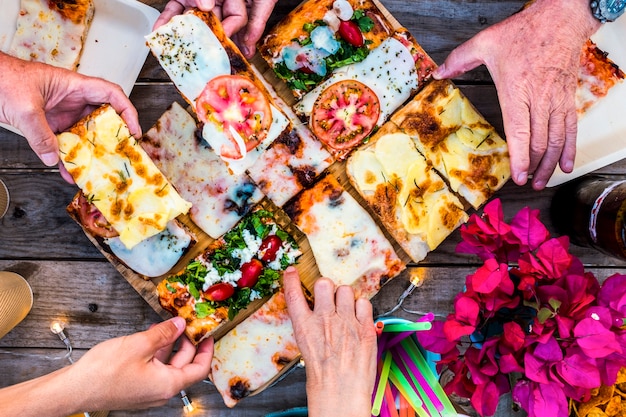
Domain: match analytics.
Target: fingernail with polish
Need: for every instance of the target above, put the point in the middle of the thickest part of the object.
(50, 158)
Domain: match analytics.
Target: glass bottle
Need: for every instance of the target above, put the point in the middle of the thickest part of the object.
(591, 211)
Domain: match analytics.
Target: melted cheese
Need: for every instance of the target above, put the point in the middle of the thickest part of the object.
(155, 255)
(457, 140)
(254, 352)
(348, 246)
(52, 32)
(219, 199)
(190, 53)
(115, 173)
(412, 201)
(389, 70)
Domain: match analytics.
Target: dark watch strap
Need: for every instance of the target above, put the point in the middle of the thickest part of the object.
(607, 10)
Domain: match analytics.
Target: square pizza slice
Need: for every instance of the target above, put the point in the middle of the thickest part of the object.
(413, 202)
(347, 244)
(118, 176)
(465, 149)
(356, 99)
(220, 199)
(242, 266)
(239, 119)
(52, 32)
(251, 355)
(317, 37)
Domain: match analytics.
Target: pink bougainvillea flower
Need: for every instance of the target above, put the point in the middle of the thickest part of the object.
(579, 370)
(490, 276)
(527, 227)
(485, 397)
(434, 340)
(613, 293)
(595, 339)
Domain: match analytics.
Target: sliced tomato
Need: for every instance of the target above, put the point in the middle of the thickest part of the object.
(219, 292)
(239, 108)
(92, 219)
(344, 114)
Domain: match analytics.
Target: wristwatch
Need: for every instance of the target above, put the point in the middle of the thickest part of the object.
(607, 10)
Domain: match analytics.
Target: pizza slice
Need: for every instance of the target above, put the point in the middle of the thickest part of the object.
(254, 353)
(318, 37)
(597, 74)
(244, 265)
(465, 149)
(292, 162)
(152, 257)
(52, 32)
(118, 177)
(347, 107)
(219, 198)
(413, 202)
(348, 246)
(239, 119)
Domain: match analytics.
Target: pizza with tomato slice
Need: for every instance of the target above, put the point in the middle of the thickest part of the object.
(238, 117)
(412, 201)
(597, 74)
(347, 244)
(219, 199)
(244, 265)
(253, 354)
(318, 37)
(356, 99)
(152, 257)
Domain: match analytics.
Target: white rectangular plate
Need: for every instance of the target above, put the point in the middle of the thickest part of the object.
(602, 129)
(115, 48)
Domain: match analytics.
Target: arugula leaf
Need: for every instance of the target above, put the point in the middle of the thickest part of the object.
(204, 310)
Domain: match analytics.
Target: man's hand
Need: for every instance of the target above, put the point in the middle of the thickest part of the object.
(41, 100)
(243, 20)
(338, 344)
(533, 58)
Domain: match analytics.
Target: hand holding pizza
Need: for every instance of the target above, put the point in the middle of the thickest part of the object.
(338, 344)
(243, 20)
(40, 100)
(533, 58)
(122, 373)
(133, 371)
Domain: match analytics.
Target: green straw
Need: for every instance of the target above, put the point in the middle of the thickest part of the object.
(382, 382)
(408, 327)
(427, 373)
(405, 388)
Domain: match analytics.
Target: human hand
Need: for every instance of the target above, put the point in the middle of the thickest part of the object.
(243, 20)
(39, 100)
(338, 344)
(133, 371)
(533, 58)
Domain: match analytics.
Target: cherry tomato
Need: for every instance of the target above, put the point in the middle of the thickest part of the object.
(220, 291)
(351, 33)
(344, 114)
(235, 103)
(250, 273)
(269, 247)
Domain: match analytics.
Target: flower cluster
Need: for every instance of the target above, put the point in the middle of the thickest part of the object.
(532, 311)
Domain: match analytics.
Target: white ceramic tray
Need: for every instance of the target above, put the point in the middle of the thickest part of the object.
(115, 48)
(602, 129)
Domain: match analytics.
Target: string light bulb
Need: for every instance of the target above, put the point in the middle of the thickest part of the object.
(187, 406)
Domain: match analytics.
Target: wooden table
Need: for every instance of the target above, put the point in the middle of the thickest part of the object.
(72, 280)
